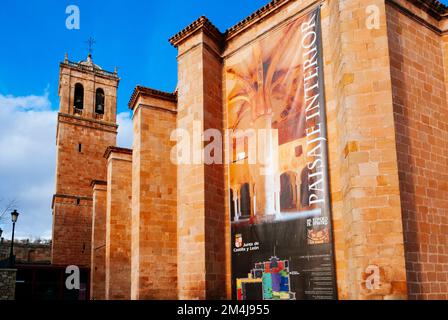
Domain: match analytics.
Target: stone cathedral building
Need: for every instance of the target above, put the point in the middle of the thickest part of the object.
(149, 228)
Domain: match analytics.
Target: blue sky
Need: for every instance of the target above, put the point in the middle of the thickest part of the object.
(132, 35)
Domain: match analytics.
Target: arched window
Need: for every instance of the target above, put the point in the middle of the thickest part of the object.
(99, 101)
(79, 96)
(245, 201)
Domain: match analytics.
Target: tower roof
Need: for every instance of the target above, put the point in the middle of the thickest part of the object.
(87, 65)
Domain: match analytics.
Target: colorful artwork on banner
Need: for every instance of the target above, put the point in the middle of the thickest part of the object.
(278, 175)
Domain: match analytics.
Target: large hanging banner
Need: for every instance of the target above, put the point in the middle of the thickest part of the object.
(280, 210)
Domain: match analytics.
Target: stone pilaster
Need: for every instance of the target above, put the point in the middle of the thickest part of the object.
(154, 221)
(118, 224)
(98, 257)
(201, 199)
(363, 157)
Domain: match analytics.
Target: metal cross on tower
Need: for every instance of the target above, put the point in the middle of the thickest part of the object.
(90, 42)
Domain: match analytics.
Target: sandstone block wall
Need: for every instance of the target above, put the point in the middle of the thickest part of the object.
(80, 148)
(201, 200)
(7, 284)
(118, 224)
(27, 252)
(154, 190)
(167, 232)
(98, 258)
(420, 105)
(362, 156)
(72, 230)
(81, 141)
(81, 144)
(70, 75)
(363, 161)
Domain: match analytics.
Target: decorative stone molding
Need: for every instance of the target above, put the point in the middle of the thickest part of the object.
(111, 149)
(157, 94)
(200, 24)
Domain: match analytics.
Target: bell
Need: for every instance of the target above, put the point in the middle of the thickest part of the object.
(100, 109)
(78, 102)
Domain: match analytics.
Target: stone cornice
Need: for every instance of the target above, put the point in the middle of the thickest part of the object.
(93, 121)
(92, 70)
(434, 7)
(68, 196)
(156, 108)
(257, 15)
(422, 5)
(98, 183)
(200, 24)
(111, 149)
(140, 90)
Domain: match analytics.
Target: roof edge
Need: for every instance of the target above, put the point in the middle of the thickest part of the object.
(433, 7)
(98, 183)
(202, 23)
(111, 149)
(152, 93)
(263, 11)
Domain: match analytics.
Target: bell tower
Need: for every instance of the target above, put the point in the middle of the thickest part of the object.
(86, 127)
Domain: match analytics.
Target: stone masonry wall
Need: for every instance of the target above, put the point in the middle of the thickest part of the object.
(77, 166)
(98, 264)
(7, 284)
(421, 121)
(72, 231)
(201, 211)
(363, 165)
(215, 215)
(118, 224)
(27, 252)
(154, 189)
(81, 140)
(363, 161)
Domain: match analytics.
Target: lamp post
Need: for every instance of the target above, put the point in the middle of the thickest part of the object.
(14, 216)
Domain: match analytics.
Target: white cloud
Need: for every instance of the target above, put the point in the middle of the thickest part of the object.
(27, 162)
(124, 138)
(26, 103)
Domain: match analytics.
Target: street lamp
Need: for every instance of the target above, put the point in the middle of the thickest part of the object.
(14, 216)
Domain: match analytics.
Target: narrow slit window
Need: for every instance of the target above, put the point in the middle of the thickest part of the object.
(80, 147)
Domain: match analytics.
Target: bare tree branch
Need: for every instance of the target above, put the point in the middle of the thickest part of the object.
(6, 206)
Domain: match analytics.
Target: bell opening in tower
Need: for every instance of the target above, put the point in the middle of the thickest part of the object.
(79, 97)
